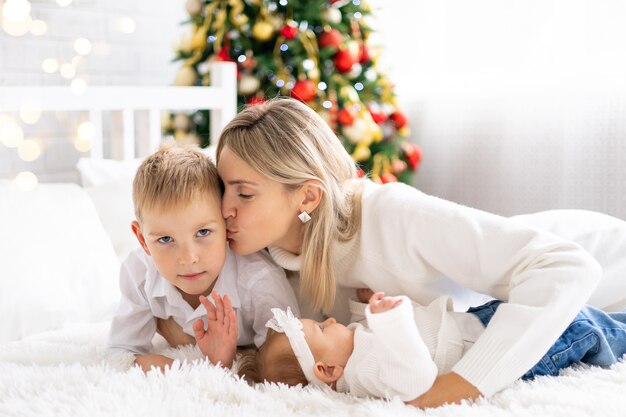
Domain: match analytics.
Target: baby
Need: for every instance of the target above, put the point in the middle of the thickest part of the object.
(392, 359)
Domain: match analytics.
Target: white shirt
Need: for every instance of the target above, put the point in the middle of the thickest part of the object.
(254, 283)
(424, 247)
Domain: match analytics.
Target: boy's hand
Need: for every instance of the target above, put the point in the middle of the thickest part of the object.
(148, 361)
(379, 303)
(364, 294)
(219, 341)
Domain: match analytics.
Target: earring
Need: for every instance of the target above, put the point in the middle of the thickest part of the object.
(304, 217)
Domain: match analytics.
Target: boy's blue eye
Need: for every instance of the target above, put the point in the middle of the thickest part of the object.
(203, 232)
(165, 239)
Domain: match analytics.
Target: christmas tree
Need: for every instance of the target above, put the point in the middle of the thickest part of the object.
(316, 51)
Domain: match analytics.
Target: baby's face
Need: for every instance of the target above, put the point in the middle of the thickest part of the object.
(329, 341)
(187, 243)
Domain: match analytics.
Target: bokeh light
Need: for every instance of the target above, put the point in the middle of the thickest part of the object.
(50, 65)
(82, 46)
(29, 150)
(30, 112)
(11, 134)
(26, 180)
(127, 25)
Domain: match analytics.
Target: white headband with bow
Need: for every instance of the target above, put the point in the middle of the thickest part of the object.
(286, 322)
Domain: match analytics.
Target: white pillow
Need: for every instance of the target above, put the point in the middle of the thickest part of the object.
(94, 172)
(109, 184)
(58, 264)
(604, 237)
(114, 204)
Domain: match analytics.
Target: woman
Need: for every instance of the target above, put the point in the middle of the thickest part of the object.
(291, 187)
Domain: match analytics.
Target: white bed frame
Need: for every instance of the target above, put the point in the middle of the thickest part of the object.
(220, 98)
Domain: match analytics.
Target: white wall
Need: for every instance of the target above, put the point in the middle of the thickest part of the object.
(519, 106)
(140, 58)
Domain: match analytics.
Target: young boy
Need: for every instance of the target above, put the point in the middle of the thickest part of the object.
(402, 351)
(183, 258)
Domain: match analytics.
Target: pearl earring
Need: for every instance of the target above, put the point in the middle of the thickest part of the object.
(304, 217)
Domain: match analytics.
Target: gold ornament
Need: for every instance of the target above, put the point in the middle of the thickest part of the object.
(361, 153)
(262, 30)
(332, 15)
(166, 122)
(181, 122)
(376, 132)
(247, 85)
(194, 7)
(354, 49)
(355, 71)
(198, 41)
(314, 73)
(179, 135)
(185, 44)
(186, 76)
(356, 132)
(348, 93)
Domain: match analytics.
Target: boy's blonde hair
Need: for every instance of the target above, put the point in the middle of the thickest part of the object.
(274, 361)
(173, 176)
(288, 142)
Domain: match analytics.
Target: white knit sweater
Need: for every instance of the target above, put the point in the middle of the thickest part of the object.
(421, 246)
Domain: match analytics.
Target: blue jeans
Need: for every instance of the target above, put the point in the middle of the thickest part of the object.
(593, 337)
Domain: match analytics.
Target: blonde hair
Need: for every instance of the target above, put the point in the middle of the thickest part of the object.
(288, 142)
(172, 176)
(274, 361)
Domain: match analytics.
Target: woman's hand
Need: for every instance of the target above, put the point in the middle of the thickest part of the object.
(148, 361)
(448, 388)
(364, 294)
(219, 341)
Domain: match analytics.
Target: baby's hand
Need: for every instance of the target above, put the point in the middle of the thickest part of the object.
(364, 294)
(219, 341)
(379, 303)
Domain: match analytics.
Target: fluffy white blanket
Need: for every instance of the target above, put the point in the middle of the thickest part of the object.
(62, 373)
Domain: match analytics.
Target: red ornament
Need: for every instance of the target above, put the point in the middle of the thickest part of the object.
(344, 60)
(256, 100)
(388, 177)
(399, 119)
(360, 173)
(346, 116)
(290, 30)
(223, 55)
(413, 155)
(378, 116)
(304, 90)
(332, 38)
(364, 54)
